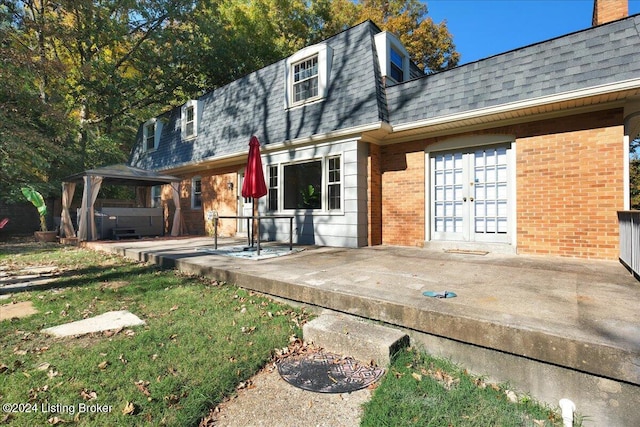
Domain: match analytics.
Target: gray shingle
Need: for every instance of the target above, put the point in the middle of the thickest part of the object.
(254, 105)
(596, 56)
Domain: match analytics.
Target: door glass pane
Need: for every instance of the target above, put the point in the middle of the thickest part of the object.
(490, 173)
(447, 192)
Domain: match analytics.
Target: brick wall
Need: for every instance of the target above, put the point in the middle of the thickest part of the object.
(609, 10)
(569, 183)
(215, 196)
(403, 195)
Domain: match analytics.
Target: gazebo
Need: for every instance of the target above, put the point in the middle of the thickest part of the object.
(119, 174)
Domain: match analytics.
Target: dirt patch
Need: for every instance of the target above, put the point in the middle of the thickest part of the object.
(17, 310)
(114, 285)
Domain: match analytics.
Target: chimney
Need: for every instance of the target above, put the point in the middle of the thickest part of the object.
(609, 10)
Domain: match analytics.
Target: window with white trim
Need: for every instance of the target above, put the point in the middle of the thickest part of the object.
(307, 75)
(272, 198)
(396, 65)
(310, 185)
(151, 134)
(305, 79)
(190, 114)
(196, 193)
(333, 183)
(156, 196)
(393, 57)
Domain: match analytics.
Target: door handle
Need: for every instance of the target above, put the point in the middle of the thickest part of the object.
(471, 199)
(464, 199)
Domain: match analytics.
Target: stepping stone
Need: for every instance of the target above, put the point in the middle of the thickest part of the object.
(19, 310)
(351, 336)
(103, 322)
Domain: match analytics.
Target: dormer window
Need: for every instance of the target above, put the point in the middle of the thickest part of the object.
(190, 118)
(307, 75)
(305, 79)
(190, 121)
(151, 134)
(396, 64)
(393, 57)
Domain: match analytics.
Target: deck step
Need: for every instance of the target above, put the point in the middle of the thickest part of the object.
(351, 336)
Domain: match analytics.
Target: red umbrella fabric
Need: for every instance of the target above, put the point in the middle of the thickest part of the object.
(254, 185)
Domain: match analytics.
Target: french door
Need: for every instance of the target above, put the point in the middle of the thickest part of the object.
(470, 195)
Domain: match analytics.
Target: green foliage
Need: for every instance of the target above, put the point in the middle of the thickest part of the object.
(38, 201)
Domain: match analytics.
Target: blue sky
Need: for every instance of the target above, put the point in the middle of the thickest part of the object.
(482, 28)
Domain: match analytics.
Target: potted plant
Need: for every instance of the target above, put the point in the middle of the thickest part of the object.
(44, 235)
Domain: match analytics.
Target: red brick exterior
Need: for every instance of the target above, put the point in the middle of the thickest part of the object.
(569, 185)
(609, 10)
(215, 196)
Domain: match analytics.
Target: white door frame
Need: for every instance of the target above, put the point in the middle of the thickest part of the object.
(245, 208)
(474, 142)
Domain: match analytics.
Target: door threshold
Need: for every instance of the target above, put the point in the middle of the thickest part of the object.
(472, 248)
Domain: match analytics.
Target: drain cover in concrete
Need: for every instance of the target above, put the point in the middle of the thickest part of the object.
(20, 309)
(327, 373)
(103, 322)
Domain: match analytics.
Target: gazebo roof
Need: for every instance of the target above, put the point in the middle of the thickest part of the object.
(123, 174)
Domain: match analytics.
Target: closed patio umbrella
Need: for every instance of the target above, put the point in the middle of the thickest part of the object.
(254, 185)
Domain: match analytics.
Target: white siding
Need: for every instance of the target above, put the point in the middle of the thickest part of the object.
(345, 228)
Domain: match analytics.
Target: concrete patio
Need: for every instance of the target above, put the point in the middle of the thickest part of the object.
(553, 327)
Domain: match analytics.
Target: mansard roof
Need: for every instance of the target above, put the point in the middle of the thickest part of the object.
(255, 105)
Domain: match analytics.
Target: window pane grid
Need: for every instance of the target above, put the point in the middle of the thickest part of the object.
(305, 79)
(197, 193)
(273, 188)
(190, 122)
(334, 187)
(150, 137)
(448, 193)
(490, 176)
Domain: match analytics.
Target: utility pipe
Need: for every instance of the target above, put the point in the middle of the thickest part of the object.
(568, 408)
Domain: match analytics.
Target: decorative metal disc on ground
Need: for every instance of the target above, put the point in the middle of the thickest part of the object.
(327, 373)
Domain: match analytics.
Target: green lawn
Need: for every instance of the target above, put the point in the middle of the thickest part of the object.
(201, 339)
(420, 390)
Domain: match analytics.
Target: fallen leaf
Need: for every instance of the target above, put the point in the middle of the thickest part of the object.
(129, 409)
(88, 395)
(122, 359)
(143, 387)
(103, 365)
(43, 366)
(417, 376)
(3, 368)
(52, 373)
(174, 308)
(56, 420)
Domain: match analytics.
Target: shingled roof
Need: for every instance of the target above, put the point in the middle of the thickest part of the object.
(579, 61)
(254, 105)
